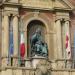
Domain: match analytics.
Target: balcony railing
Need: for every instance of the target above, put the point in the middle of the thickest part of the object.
(54, 64)
(64, 64)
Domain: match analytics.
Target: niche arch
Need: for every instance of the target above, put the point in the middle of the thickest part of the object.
(31, 29)
(29, 17)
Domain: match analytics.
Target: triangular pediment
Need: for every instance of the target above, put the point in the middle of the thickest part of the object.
(63, 4)
(47, 4)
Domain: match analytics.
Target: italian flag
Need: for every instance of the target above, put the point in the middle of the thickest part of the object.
(22, 46)
(68, 50)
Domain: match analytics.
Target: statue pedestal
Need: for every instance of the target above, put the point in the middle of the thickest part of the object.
(36, 59)
(27, 63)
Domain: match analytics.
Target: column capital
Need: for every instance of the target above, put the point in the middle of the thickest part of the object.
(67, 20)
(16, 15)
(57, 20)
(5, 15)
(64, 15)
(9, 14)
(62, 20)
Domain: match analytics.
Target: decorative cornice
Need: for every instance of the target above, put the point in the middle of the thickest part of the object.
(46, 9)
(3, 4)
(19, 5)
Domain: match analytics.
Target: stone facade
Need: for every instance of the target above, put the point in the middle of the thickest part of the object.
(55, 18)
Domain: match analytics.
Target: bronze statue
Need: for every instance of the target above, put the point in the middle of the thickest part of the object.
(38, 46)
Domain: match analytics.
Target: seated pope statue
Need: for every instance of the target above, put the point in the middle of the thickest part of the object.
(38, 45)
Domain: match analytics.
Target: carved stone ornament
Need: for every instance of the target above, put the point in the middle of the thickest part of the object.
(43, 68)
(36, 14)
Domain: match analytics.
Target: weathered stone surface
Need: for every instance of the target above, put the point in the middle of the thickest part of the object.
(43, 68)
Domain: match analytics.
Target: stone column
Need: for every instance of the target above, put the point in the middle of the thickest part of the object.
(55, 40)
(58, 39)
(5, 39)
(15, 39)
(48, 37)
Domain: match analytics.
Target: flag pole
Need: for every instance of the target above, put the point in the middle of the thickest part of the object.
(74, 51)
(65, 51)
(19, 58)
(20, 40)
(22, 43)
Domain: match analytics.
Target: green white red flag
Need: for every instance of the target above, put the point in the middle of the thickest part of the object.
(22, 46)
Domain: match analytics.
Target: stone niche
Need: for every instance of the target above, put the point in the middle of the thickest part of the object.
(31, 29)
(34, 20)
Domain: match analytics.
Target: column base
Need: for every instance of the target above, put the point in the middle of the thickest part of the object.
(4, 62)
(15, 61)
